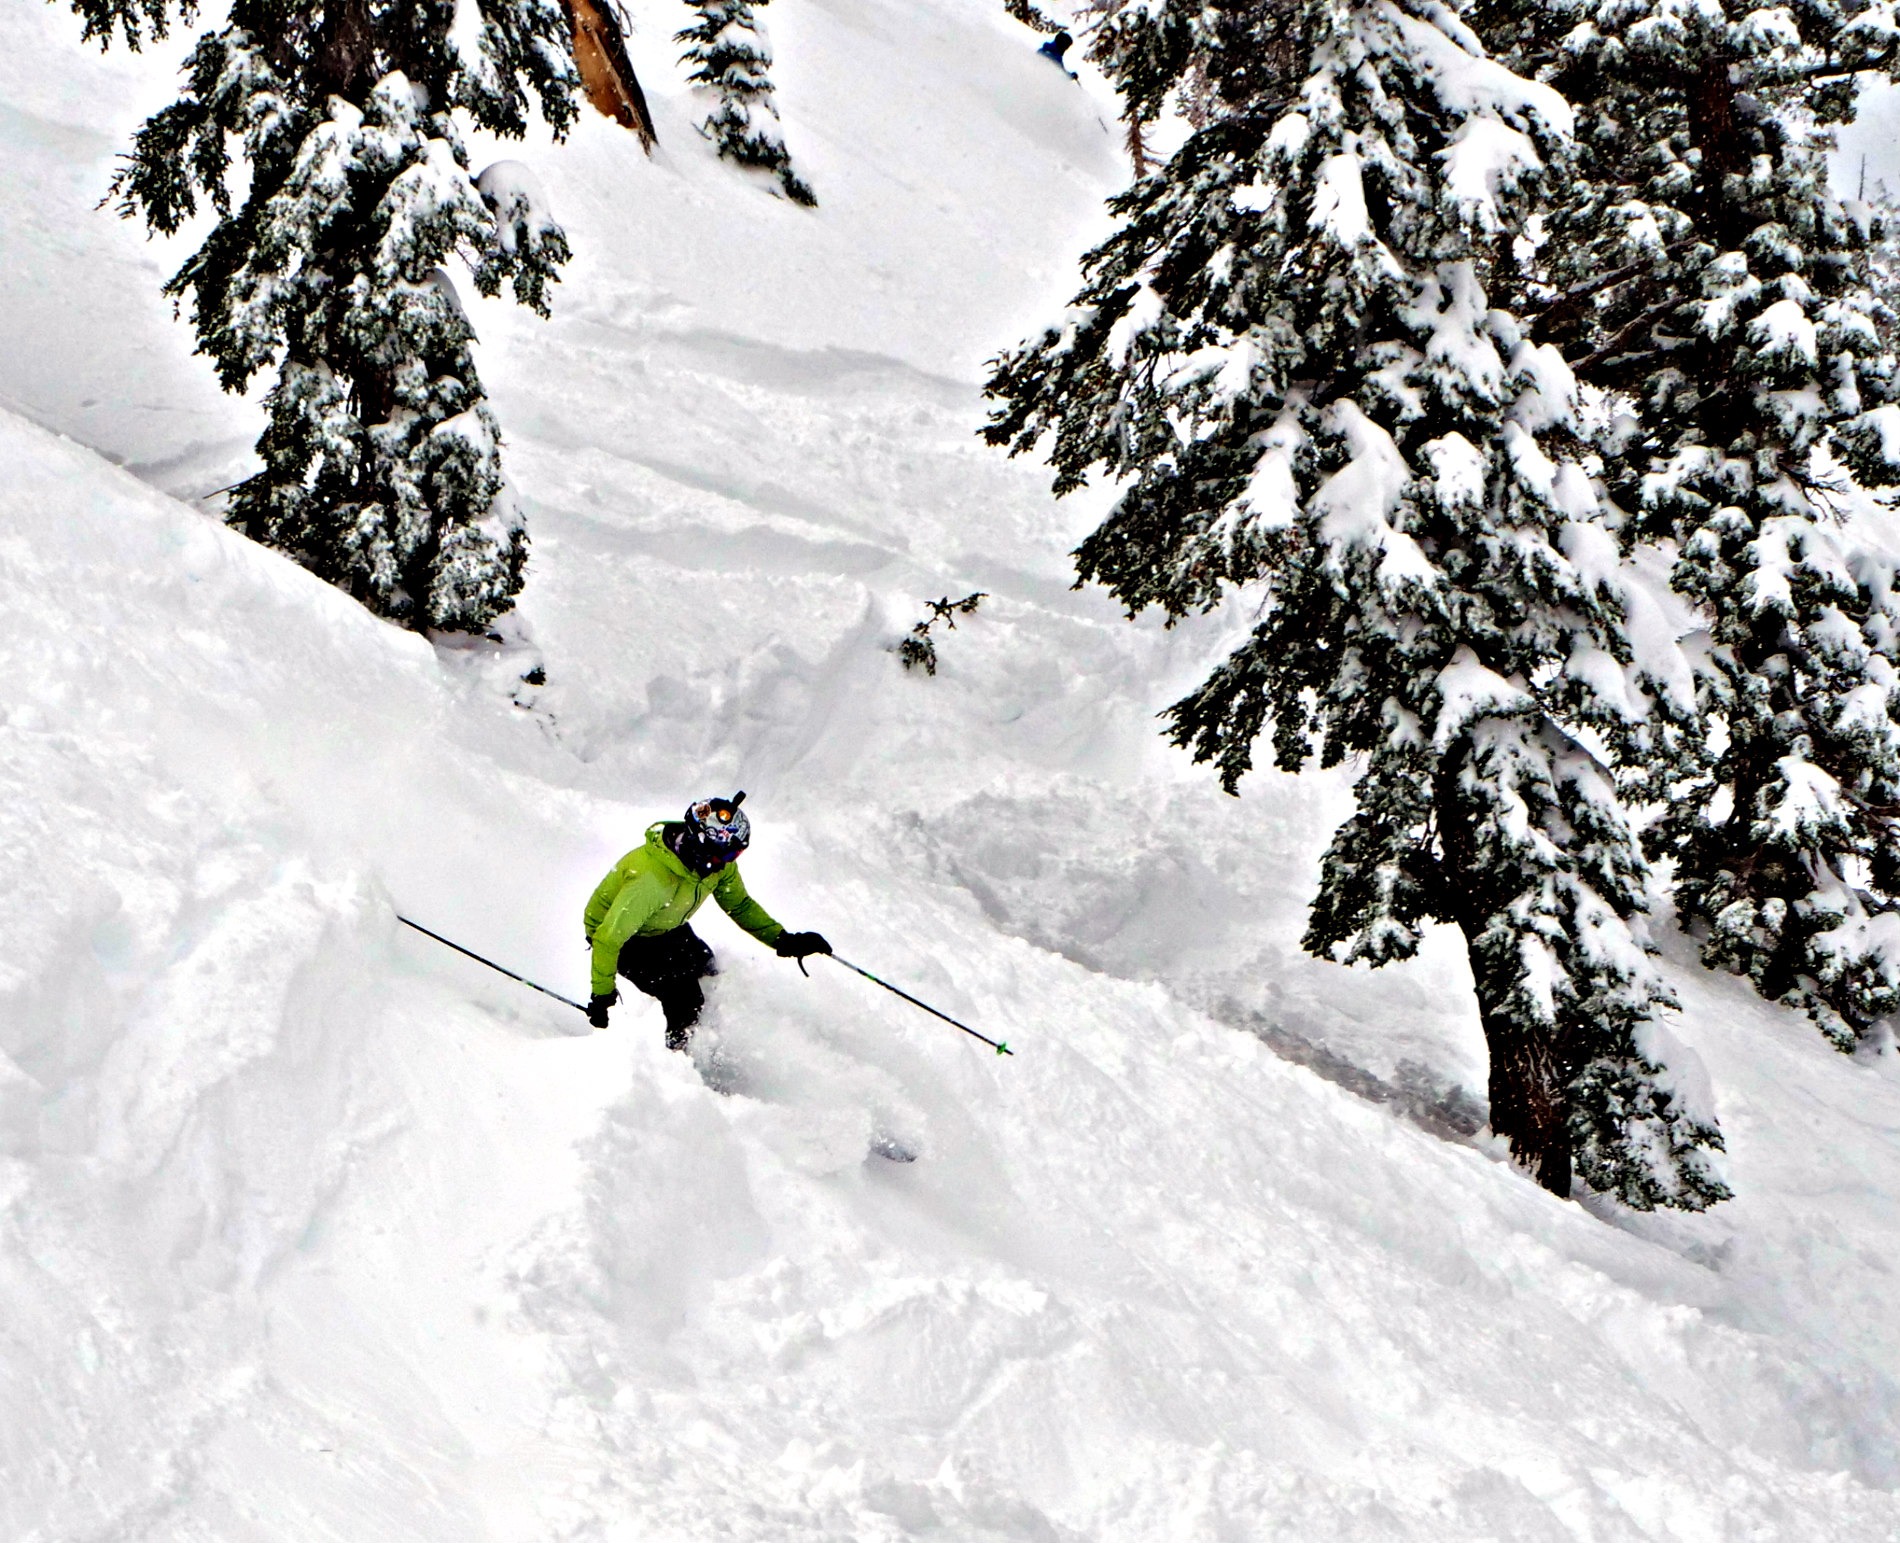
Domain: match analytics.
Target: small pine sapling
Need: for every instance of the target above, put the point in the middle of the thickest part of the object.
(919, 650)
(730, 58)
(1146, 50)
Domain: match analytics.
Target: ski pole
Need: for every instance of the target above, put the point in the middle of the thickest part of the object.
(1000, 1047)
(499, 969)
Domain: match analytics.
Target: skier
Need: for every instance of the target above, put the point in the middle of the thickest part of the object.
(637, 922)
(1055, 48)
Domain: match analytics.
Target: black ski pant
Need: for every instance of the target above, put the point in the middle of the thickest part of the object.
(668, 967)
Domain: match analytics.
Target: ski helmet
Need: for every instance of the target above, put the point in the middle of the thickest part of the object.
(717, 830)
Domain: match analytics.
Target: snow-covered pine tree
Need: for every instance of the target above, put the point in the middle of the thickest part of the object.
(382, 468)
(1704, 274)
(1031, 15)
(1287, 354)
(730, 58)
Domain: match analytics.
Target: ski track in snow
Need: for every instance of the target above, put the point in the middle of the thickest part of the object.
(311, 1229)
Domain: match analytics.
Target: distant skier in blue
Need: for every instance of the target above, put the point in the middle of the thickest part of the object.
(1055, 48)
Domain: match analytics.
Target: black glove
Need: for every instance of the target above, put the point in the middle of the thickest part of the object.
(597, 1008)
(796, 945)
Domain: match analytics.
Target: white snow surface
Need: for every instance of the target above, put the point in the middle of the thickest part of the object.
(310, 1229)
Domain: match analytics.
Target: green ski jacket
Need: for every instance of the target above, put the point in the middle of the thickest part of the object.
(650, 891)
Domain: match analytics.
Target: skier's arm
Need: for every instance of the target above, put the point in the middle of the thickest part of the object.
(638, 899)
(603, 900)
(731, 894)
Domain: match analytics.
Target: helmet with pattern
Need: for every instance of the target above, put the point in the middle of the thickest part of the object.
(717, 831)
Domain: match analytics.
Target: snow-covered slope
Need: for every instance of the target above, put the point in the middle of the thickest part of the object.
(310, 1229)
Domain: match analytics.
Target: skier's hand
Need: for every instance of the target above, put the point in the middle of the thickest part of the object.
(597, 1008)
(797, 945)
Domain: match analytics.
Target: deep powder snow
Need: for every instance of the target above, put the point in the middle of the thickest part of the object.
(310, 1229)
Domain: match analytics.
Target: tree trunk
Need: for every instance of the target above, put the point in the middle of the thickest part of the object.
(1716, 130)
(1529, 1091)
(607, 78)
(1530, 1072)
(1137, 142)
(345, 65)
